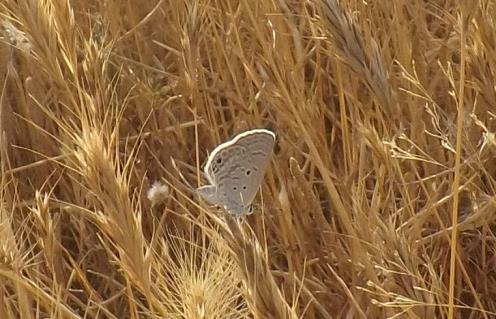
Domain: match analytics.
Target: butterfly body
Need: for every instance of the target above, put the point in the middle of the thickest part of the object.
(235, 170)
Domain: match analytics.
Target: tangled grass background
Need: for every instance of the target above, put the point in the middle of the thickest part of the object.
(379, 201)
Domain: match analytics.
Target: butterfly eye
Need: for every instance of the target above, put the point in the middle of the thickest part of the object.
(235, 188)
(248, 172)
(219, 160)
(244, 187)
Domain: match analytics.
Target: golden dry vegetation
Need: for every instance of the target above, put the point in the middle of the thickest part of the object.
(379, 201)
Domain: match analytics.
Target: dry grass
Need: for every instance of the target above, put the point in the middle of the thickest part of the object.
(379, 201)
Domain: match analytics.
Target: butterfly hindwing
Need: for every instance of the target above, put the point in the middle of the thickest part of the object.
(209, 193)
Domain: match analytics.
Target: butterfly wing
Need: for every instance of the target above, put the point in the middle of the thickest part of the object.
(237, 169)
(209, 193)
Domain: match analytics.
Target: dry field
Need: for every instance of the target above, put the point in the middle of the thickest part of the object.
(379, 201)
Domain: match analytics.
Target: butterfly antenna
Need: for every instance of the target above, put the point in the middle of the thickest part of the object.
(202, 166)
(181, 176)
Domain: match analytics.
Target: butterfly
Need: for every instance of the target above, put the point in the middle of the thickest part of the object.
(235, 170)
